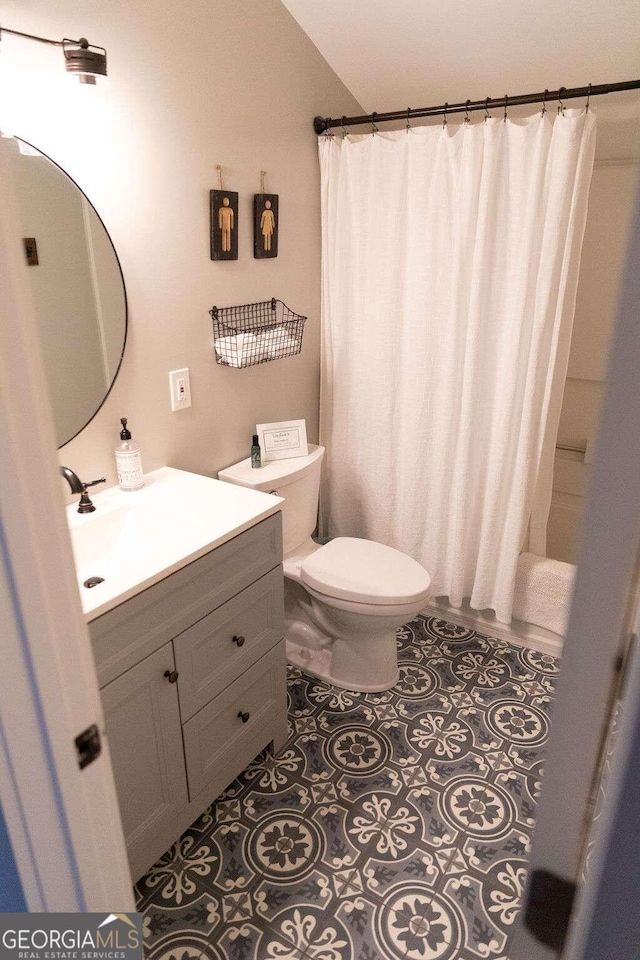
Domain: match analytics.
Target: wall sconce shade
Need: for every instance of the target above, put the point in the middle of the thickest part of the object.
(81, 58)
(85, 61)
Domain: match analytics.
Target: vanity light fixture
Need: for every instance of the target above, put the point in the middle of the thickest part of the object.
(81, 58)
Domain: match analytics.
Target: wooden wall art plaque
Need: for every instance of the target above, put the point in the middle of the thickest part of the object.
(224, 224)
(31, 251)
(265, 225)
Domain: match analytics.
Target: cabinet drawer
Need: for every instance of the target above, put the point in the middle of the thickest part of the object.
(122, 637)
(216, 650)
(218, 744)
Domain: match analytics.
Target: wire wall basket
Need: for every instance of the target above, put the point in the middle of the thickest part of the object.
(256, 333)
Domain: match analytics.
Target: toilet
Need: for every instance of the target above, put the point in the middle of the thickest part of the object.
(345, 599)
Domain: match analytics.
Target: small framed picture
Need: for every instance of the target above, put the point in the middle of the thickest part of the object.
(280, 441)
(31, 251)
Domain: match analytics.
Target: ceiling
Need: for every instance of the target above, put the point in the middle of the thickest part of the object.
(392, 54)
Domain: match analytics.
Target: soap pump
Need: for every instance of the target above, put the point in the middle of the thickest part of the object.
(128, 460)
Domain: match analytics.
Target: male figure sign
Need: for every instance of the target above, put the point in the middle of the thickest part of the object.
(225, 222)
(224, 230)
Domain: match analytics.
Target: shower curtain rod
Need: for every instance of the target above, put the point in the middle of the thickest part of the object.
(323, 124)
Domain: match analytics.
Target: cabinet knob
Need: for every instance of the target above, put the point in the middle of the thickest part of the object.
(171, 675)
(244, 716)
(238, 640)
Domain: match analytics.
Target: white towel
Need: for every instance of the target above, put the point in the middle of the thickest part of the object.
(543, 592)
(284, 348)
(244, 348)
(276, 342)
(236, 350)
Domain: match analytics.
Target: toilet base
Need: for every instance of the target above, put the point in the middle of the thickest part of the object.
(363, 665)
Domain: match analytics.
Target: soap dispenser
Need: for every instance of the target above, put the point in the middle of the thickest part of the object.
(128, 460)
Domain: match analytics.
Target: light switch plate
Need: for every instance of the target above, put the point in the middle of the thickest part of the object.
(180, 389)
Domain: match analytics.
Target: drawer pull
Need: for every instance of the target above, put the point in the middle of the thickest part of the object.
(244, 716)
(238, 640)
(171, 675)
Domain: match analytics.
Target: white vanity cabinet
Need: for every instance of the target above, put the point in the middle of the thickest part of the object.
(193, 684)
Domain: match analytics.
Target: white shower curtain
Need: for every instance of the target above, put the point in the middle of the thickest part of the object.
(450, 266)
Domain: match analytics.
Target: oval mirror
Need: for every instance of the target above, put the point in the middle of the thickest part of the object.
(77, 288)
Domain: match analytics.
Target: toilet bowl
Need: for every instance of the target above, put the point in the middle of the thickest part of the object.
(345, 599)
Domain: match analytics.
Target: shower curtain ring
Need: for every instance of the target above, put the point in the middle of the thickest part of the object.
(444, 118)
(560, 103)
(467, 118)
(344, 129)
(588, 98)
(374, 129)
(487, 115)
(544, 102)
(506, 104)
(408, 115)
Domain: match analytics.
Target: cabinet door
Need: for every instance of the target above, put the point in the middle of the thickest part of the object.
(145, 740)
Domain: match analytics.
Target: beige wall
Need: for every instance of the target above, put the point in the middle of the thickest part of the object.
(603, 256)
(191, 84)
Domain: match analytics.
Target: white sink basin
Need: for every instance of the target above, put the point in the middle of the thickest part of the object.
(134, 539)
(105, 545)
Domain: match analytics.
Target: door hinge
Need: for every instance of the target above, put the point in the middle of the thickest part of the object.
(548, 908)
(88, 746)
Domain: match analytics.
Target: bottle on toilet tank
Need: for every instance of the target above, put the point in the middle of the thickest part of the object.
(256, 457)
(128, 460)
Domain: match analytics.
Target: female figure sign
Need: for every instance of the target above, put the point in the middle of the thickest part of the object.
(265, 225)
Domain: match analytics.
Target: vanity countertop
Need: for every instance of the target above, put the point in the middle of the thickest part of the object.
(135, 539)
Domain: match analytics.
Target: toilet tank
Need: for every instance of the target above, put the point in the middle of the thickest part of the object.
(297, 480)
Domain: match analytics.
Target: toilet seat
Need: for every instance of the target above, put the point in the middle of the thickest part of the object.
(406, 611)
(362, 571)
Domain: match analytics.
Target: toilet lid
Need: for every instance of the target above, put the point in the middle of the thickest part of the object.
(366, 572)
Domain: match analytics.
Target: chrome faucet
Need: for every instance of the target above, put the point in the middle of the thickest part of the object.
(78, 486)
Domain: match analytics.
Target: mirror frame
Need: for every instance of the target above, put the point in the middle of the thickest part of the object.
(124, 287)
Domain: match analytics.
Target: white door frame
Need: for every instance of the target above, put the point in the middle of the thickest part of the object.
(606, 920)
(64, 823)
(599, 627)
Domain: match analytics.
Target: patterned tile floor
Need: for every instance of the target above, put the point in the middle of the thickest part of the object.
(392, 826)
